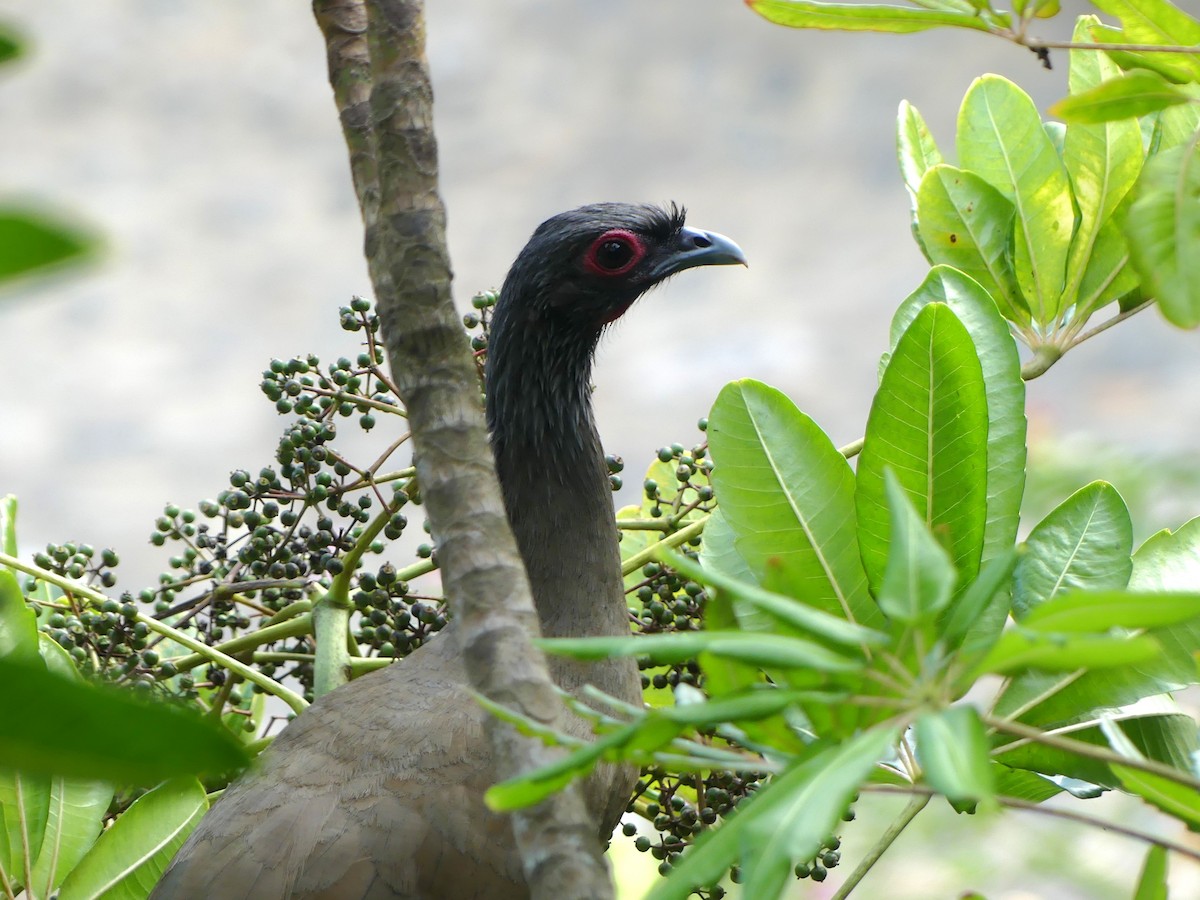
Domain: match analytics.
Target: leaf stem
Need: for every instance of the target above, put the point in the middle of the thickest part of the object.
(916, 803)
(1109, 323)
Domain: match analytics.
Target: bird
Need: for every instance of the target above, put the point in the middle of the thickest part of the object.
(375, 792)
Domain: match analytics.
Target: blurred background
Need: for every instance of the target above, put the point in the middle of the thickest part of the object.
(200, 140)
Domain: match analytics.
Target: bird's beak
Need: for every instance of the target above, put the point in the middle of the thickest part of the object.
(698, 248)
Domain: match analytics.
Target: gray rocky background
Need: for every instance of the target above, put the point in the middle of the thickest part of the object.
(200, 139)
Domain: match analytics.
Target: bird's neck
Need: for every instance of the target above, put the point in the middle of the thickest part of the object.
(552, 470)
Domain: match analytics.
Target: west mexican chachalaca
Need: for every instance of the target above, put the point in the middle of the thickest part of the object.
(375, 792)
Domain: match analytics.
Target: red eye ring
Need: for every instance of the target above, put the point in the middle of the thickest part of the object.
(614, 253)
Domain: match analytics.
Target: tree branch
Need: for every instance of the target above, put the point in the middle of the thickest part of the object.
(376, 57)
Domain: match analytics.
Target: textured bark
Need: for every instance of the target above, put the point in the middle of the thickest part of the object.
(381, 85)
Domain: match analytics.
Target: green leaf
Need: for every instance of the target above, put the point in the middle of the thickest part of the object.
(1019, 649)
(34, 241)
(10, 44)
(1001, 139)
(919, 577)
(18, 623)
(1102, 160)
(781, 824)
(1023, 785)
(928, 423)
(24, 810)
(527, 790)
(860, 16)
(1001, 365)
(915, 147)
(1099, 611)
(129, 857)
(791, 830)
(1173, 798)
(952, 749)
(1135, 93)
(1053, 701)
(1174, 127)
(50, 725)
(966, 223)
(765, 650)
(1109, 274)
(1152, 883)
(788, 495)
(8, 524)
(786, 610)
(76, 807)
(1163, 229)
(1083, 543)
(1169, 560)
(1166, 738)
(972, 611)
(75, 818)
(917, 153)
(1157, 22)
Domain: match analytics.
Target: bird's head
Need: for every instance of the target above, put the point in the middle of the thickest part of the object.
(580, 271)
(584, 268)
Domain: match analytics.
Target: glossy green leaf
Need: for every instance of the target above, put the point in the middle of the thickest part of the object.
(861, 16)
(129, 857)
(915, 147)
(75, 817)
(725, 677)
(952, 749)
(1157, 22)
(765, 650)
(1135, 93)
(51, 725)
(966, 223)
(32, 241)
(787, 494)
(1084, 543)
(797, 809)
(527, 790)
(8, 524)
(1055, 700)
(18, 623)
(1023, 785)
(1166, 738)
(1163, 229)
(789, 611)
(1175, 126)
(791, 830)
(1001, 365)
(1001, 139)
(76, 807)
(976, 612)
(1103, 161)
(719, 554)
(1152, 883)
(1109, 273)
(1099, 611)
(1019, 649)
(1169, 560)
(1173, 798)
(917, 153)
(24, 811)
(919, 577)
(928, 424)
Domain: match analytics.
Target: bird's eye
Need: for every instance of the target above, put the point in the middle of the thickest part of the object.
(614, 253)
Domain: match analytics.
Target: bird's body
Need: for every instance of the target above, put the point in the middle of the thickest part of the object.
(375, 792)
